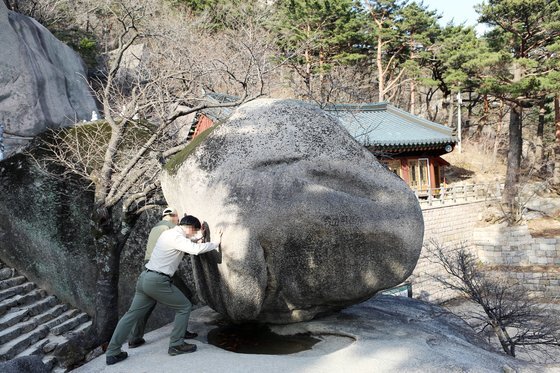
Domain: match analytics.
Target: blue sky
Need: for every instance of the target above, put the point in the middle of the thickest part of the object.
(458, 11)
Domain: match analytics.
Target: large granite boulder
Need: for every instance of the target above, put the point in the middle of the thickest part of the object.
(42, 81)
(311, 221)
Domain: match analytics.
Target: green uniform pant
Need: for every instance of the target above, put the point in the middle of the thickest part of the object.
(151, 288)
(139, 328)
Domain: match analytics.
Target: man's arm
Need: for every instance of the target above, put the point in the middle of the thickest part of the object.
(186, 245)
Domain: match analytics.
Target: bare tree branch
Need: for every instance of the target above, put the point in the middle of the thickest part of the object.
(516, 319)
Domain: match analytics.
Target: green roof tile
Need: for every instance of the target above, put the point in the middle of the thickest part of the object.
(383, 125)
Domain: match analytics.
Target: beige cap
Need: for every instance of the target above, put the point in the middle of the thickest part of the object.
(169, 211)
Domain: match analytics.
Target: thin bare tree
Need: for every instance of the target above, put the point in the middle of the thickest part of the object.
(516, 319)
(154, 76)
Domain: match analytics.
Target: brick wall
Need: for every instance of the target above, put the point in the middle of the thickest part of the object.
(540, 282)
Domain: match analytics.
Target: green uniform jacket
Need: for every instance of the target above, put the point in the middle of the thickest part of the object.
(156, 231)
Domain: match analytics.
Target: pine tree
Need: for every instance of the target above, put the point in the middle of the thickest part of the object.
(450, 62)
(420, 28)
(522, 65)
(389, 43)
(315, 34)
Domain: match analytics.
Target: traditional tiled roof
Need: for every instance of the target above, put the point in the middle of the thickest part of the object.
(384, 126)
(220, 113)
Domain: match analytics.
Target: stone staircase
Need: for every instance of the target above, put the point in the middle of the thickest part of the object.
(33, 322)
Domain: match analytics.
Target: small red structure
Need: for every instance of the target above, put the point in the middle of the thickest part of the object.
(202, 123)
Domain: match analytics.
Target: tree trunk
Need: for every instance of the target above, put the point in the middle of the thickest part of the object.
(307, 78)
(502, 338)
(413, 97)
(556, 175)
(498, 133)
(428, 97)
(107, 261)
(321, 73)
(450, 111)
(412, 83)
(539, 139)
(514, 154)
(308, 65)
(380, 77)
(470, 107)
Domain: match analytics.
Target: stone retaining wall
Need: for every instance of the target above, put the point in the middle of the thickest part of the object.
(523, 259)
(541, 282)
(511, 252)
(452, 226)
(503, 245)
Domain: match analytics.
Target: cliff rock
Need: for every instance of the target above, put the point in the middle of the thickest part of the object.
(42, 81)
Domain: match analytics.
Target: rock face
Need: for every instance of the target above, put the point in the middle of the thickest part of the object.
(311, 221)
(45, 233)
(42, 81)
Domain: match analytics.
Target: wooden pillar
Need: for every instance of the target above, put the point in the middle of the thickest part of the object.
(432, 172)
(405, 170)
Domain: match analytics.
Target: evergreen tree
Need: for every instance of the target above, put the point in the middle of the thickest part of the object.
(223, 14)
(389, 42)
(420, 28)
(450, 63)
(522, 66)
(313, 35)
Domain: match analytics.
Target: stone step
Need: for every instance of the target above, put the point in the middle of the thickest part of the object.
(42, 305)
(50, 314)
(62, 318)
(15, 331)
(83, 327)
(12, 318)
(46, 309)
(11, 349)
(33, 323)
(70, 324)
(52, 344)
(59, 341)
(24, 327)
(50, 362)
(35, 349)
(16, 290)
(13, 281)
(19, 300)
(6, 273)
(55, 342)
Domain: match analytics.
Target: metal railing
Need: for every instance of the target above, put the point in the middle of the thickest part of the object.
(457, 194)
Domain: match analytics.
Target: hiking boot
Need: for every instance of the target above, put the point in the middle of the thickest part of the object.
(190, 335)
(116, 358)
(185, 348)
(136, 342)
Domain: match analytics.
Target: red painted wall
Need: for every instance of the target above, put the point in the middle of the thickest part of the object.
(203, 123)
